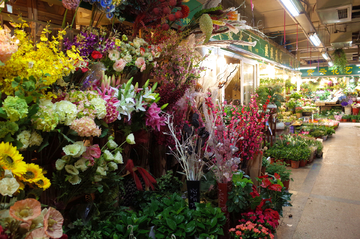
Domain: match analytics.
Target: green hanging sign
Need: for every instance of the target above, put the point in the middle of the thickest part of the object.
(330, 71)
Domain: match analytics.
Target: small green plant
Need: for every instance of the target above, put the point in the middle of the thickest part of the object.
(208, 221)
(279, 168)
(265, 162)
(239, 196)
(295, 96)
(169, 184)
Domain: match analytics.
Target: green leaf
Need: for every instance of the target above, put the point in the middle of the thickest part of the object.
(2, 63)
(190, 226)
(43, 145)
(14, 84)
(213, 222)
(47, 74)
(8, 138)
(104, 132)
(171, 223)
(3, 113)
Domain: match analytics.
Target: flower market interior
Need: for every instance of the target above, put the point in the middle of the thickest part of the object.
(179, 119)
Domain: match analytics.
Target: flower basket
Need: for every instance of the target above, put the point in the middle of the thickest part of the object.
(295, 164)
(286, 184)
(303, 163)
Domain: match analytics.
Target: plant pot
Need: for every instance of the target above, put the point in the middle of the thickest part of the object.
(324, 137)
(286, 184)
(355, 111)
(223, 190)
(279, 160)
(354, 120)
(312, 156)
(319, 155)
(287, 161)
(298, 115)
(295, 164)
(303, 163)
(272, 160)
(193, 188)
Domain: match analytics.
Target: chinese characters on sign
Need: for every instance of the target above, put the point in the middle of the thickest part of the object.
(330, 71)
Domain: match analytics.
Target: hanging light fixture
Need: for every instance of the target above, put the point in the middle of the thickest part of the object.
(315, 39)
(331, 64)
(291, 7)
(326, 56)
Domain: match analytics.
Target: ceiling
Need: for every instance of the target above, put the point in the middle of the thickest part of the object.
(271, 17)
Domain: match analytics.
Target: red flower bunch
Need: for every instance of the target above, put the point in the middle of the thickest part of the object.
(185, 10)
(270, 184)
(251, 230)
(269, 218)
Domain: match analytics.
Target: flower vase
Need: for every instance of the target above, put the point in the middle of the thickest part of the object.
(223, 190)
(303, 163)
(193, 188)
(295, 164)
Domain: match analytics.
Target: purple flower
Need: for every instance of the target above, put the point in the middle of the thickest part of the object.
(344, 103)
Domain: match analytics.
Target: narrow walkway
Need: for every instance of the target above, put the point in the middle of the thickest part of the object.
(326, 194)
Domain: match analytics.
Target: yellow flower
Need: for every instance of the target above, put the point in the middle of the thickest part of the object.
(117, 42)
(11, 159)
(43, 183)
(33, 173)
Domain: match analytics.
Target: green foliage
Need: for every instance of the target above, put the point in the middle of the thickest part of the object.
(339, 59)
(271, 93)
(208, 221)
(279, 168)
(265, 162)
(295, 96)
(239, 197)
(169, 184)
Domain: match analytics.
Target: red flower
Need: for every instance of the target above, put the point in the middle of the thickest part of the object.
(185, 10)
(84, 69)
(265, 176)
(142, 50)
(275, 187)
(277, 176)
(96, 55)
(265, 183)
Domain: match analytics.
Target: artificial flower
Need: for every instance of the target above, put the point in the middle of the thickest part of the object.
(11, 159)
(82, 149)
(112, 166)
(71, 4)
(81, 164)
(46, 119)
(118, 158)
(35, 139)
(108, 155)
(119, 65)
(59, 164)
(130, 139)
(96, 55)
(53, 221)
(8, 186)
(101, 171)
(25, 210)
(92, 151)
(97, 178)
(71, 169)
(85, 127)
(112, 144)
(140, 63)
(114, 55)
(43, 183)
(72, 149)
(38, 233)
(15, 108)
(33, 173)
(100, 106)
(7, 127)
(66, 111)
(75, 179)
(8, 45)
(24, 139)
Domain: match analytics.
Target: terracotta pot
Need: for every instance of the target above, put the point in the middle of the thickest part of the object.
(272, 160)
(355, 111)
(280, 160)
(303, 163)
(288, 161)
(295, 164)
(354, 120)
(286, 184)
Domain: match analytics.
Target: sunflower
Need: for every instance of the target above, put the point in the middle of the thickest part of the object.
(11, 159)
(32, 174)
(43, 183)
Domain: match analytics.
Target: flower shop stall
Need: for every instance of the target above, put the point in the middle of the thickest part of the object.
(117, 130)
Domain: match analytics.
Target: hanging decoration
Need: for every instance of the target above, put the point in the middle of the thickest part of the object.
(340, 61)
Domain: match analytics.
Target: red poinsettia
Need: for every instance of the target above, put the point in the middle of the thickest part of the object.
(96, 55)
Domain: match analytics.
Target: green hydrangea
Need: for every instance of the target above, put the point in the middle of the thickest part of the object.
(46, 118)
(15, 108)
(7, 127)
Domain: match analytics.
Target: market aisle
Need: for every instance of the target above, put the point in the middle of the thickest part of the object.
(326, 194)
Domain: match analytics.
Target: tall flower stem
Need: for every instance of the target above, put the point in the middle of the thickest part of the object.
(75, 15)
(64, 20)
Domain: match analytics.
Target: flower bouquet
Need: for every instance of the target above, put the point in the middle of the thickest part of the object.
(251, 230)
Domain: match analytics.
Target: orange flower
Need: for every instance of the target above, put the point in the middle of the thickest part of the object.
(53, 221)
(37, 234)
(233, 16)
(25, 210)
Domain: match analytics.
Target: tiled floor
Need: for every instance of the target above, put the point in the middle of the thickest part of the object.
(326, 194)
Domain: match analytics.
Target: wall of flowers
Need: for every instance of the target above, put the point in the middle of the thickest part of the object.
(112, 135)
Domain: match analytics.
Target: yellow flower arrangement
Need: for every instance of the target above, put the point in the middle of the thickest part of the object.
(41, 60)
(11, 159)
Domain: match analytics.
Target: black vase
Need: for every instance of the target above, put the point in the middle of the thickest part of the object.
(193, 188)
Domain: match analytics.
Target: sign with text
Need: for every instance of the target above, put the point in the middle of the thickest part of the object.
(330, 71)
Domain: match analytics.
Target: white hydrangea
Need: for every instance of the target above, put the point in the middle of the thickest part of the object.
(100, 107)
(8, 186)
(35, 139)
(66, 111)
(24, 138)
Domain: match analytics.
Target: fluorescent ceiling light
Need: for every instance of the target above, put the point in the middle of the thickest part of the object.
(326, 56)
(358, 65)
(307, 67)
(291, 7)
(331, 64)
(315, 39)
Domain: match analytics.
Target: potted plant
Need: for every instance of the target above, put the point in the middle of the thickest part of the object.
(345, 118)
(298, 111)
(280, 168)
(355, 108)
(353, 118)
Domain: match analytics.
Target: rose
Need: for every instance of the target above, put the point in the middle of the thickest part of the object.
(119, 65)
(96, 55)
(140, 63)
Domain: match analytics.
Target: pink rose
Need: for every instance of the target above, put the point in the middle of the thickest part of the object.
(92, 151)
(119, 65)
(140, 63)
